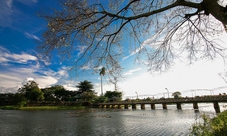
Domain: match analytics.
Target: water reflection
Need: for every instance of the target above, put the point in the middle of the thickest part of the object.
(94, 122)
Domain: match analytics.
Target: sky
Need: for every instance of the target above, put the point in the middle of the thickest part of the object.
(21, 29)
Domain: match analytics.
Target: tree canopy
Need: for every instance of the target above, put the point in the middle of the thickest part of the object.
(159, 30)
(31, 91)
(113, 95)
(85, 86)
(176, 94)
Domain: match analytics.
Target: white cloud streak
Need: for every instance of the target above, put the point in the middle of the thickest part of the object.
(130, 72)
(6, 12)
(6, 56)
(31, 36)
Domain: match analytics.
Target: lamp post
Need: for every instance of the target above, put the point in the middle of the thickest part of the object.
(167, 92)
(136, 94)
(211, 92)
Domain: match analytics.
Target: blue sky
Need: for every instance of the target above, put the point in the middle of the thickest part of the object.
(21, 29)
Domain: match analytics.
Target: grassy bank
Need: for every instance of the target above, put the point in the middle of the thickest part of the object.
(42, 107)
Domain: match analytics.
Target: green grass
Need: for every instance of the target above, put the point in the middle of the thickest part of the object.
(9, 107)
(42, 107)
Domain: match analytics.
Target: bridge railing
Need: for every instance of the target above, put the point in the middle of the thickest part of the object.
(216, 98)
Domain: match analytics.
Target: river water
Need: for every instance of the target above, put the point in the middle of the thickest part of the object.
(101, 122)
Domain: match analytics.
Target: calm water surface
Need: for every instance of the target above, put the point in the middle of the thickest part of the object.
(100, 122)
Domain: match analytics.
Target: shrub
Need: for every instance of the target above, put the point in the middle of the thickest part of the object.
(210, 127)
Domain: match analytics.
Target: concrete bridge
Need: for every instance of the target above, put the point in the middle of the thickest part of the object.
(215, 99)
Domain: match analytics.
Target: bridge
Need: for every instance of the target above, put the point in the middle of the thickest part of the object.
(215, 99)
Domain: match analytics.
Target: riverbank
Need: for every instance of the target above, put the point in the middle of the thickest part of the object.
(42, 107)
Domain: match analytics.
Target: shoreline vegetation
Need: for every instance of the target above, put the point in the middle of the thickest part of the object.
(15, 107)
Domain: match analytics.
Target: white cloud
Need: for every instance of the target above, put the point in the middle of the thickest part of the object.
(27, 79)
(9, 80)
(6, 56)
(15, 75)
(45, 81)
(70, 87)
(81, 49)
(9, 3)
(130, 72)
(31, 36)
(201, 75)
(35, 1)
(134, 52)
(85, 67)
(142, 46)
(6, 12)
(63, 71)
(28, 2)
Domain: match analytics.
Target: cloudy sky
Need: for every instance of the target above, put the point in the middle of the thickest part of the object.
(21, 28)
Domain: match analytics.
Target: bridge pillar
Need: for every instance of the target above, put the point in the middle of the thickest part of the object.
(164, 106)
(142, 106)
(133, 106)
(216, 107)
(118, 106)
(126, 106)
(152, 106)
(179, 106)
(195, 106)
(107, 106)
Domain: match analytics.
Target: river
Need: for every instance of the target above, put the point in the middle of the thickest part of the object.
(101, 122)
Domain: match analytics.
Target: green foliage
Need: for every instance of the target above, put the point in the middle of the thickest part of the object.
(59, 92)
(113, 95)
(31, 91)
(86, 90)
(100, 99)
(48, 94)
(42, 108)
(20, 99)
(211, 127)
(176, 94)
(219, 124)
(148, 99)
(85, 86)
(102, 71)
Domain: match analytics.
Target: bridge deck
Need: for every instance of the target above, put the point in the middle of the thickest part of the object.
(207, 99)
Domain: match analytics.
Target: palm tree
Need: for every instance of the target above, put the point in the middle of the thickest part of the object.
(102, 73)
(86, 90)
(85, 86)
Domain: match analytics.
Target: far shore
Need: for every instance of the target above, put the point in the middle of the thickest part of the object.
(42, 107)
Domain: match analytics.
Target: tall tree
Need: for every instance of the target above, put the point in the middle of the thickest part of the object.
(160, 30)
(31, 91)
(87, 90)
(102, 73)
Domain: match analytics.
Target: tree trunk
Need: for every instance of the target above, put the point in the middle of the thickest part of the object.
(212, 7)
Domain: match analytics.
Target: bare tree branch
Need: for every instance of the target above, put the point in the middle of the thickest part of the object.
(171, 27)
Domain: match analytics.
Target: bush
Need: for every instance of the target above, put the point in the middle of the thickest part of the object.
(210, 127)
